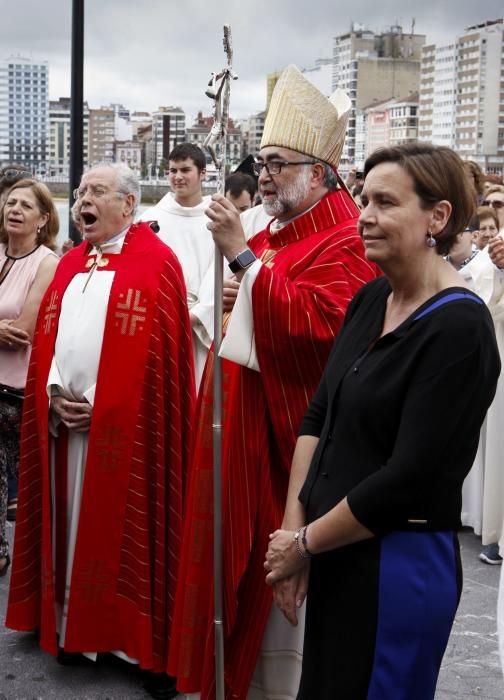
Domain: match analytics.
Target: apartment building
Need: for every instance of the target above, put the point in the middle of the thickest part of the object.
(462, 95)
(24, 112)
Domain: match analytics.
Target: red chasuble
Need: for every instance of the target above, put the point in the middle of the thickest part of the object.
(130, 525)
(313, 267)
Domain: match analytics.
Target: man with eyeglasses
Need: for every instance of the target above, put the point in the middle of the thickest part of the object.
(103, 470)
(292, 285)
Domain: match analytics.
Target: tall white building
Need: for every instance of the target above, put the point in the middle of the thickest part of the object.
(461, 98)
(24, 112)
(438, 94)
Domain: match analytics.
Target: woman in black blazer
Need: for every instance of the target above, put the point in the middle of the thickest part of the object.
(375, 490)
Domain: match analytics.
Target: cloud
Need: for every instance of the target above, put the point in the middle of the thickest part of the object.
(158, 52)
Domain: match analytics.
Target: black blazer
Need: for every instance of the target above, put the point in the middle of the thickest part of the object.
(398, 417)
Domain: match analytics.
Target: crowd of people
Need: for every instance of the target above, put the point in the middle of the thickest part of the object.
(361, 404)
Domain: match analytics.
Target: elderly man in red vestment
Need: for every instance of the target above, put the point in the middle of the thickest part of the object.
(294, 282)
(103, 471)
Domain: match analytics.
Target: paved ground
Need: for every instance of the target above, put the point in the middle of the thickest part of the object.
(470, 669)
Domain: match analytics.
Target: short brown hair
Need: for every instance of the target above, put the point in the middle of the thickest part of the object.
(438, 173)
(184, 151)
(488, 213)
(493, 189)
(49, 231)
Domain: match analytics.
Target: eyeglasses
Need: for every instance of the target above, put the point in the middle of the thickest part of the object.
(274, 167)
(496, 204)
(14, 174)
(95, 191)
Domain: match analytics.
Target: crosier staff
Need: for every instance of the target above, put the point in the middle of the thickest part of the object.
(219, 89)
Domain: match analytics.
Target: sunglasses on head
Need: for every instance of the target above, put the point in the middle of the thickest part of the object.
(14, 174)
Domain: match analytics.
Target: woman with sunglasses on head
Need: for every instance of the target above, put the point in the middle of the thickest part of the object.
(28, 228)
(9, 175)
(494, 197)
(374, 496)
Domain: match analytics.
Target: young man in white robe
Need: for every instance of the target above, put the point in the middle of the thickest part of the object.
(182, 222)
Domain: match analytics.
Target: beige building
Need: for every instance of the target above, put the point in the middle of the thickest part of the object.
(374, 67)
(403, 120)
(271, 81)
(462, 95)
(129, 153)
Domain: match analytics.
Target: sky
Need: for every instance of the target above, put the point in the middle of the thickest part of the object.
(160, 52)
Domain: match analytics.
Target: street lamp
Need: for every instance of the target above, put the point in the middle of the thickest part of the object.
(76, 110)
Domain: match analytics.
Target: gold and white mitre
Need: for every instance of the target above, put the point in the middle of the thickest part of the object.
(301, 118)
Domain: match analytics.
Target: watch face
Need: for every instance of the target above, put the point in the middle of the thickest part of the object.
(246, 258)
(242, 261)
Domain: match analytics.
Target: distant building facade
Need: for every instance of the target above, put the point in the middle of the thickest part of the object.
(404, 120)
(198, 132)
(462, 95)
(24, 113)
(387, 123)
(129, 153)
(254, 128)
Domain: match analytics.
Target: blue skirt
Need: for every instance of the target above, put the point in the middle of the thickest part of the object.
(378, 618)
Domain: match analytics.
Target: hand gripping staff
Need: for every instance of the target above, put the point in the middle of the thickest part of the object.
(219, 88)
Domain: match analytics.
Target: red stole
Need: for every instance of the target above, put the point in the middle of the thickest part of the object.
(313, 266)
(145, 291)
